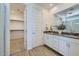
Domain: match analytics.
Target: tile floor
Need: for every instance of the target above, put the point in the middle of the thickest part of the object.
(17, 46)
(38, 51)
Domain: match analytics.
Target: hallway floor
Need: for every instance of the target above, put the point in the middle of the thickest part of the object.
(38, 51)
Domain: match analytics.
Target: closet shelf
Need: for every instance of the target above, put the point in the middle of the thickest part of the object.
(16, 30)
(17, 20)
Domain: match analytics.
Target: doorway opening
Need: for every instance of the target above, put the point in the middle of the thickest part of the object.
(17, 29)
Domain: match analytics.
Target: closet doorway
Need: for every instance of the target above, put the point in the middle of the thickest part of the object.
(17, 20)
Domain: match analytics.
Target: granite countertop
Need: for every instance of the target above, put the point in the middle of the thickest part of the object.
(65, 34)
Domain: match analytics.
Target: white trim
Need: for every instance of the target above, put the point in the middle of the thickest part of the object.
(2, 38)
(7, 30)
(25, 28)
(29, 26)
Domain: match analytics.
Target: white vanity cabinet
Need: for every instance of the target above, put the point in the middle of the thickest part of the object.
(64, 45)
(57, 43)
(54, 42)
(50, 41)
(74, 48)
(46, 41)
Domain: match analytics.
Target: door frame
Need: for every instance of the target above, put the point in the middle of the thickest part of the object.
(6, 39)
(25, 27)
(2, 46)
(7, 29)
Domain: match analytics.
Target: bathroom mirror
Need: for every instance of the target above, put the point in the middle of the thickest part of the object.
(70, 17)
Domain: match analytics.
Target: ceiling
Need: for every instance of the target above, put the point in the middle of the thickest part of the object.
(19, 7)
(48, 5)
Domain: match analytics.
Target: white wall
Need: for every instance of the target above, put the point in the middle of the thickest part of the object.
(46, 18)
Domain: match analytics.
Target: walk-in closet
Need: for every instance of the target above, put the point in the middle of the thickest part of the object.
(16, 27)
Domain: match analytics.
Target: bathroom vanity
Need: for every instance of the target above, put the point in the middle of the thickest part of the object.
(65, 44)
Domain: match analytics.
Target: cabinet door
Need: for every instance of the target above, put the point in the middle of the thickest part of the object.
(54, 42)
(74, 49)
(51, 41)
(63, 47)
(45, 39)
